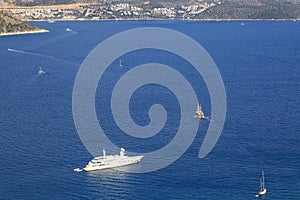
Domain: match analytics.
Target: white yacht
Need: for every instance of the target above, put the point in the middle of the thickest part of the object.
(111, 161)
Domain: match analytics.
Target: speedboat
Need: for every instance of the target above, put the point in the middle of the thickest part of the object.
(77, 170)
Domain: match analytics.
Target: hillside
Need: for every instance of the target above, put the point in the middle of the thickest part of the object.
(178, 2)
(10, 25)
(57, 2)
(253, 9)
(156, 9)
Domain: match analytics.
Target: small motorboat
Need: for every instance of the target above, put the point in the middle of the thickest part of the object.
(77, 170)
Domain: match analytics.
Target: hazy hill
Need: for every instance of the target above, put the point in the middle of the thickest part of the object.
(53, 2)
(254, 9)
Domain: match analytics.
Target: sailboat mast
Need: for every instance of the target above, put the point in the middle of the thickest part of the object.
(263, 180)
(262, 190)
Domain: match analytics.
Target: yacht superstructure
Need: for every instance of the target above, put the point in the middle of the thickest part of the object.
(111, 161)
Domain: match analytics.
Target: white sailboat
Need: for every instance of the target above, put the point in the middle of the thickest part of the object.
(262, 190)
(199, 112)
(41, 71)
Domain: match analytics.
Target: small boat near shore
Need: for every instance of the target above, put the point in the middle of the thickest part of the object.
(51, 21)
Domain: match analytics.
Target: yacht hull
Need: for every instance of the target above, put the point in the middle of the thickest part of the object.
(118, 163)
(262, 192)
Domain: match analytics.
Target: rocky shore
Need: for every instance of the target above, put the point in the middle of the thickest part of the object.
(12, 26)
(24, 32)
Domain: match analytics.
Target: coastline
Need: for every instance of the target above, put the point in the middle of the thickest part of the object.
(159, 19)
(120, 20)
(24, 32)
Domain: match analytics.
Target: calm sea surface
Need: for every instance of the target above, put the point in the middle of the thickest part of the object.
(39, 146)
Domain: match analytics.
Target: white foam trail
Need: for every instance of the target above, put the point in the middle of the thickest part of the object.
(40, 55)
(71, 31)
(205, 118)
(55, 39)
(14, 50)
(208, 118)
(28, 52)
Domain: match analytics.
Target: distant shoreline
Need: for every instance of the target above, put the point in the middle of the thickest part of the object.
(116, 20)
(188, 20)
(24, 32)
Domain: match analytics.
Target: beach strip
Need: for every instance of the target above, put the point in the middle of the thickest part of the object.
(24, 32)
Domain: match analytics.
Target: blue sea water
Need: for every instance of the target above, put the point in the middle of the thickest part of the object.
(260, 66)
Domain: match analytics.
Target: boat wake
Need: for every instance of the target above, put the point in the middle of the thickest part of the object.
(208, 118)
(45, 43)
(71, 31)
(30, 53)
(18, 51)
(205, 118)
(40, 55)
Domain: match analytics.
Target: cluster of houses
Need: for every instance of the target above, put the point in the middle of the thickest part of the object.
(114, 11)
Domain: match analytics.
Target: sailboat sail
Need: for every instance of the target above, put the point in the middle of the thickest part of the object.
(262, 189)
(199, 112)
